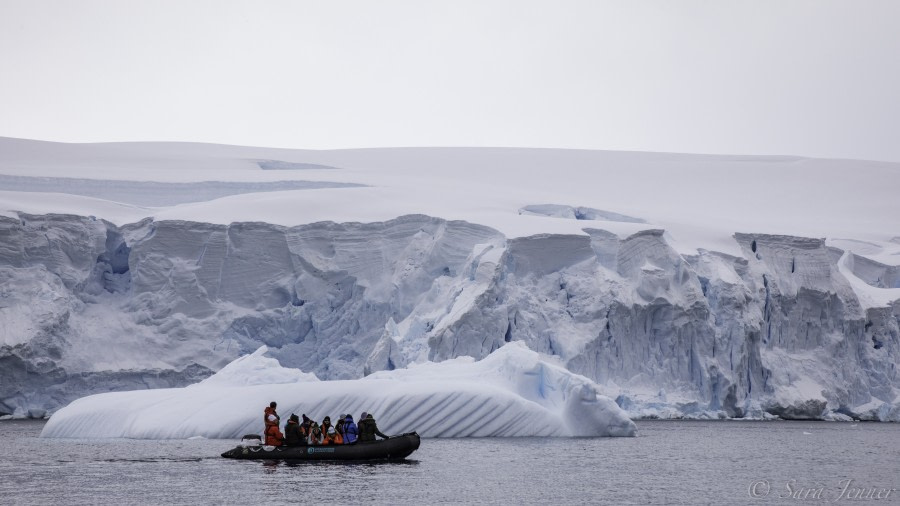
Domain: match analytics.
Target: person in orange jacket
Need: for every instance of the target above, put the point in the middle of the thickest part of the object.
(332, 437)
(272, 420)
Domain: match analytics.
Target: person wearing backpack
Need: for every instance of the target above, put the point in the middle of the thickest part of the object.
(351, 432)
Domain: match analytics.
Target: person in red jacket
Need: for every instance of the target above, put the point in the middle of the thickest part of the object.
(272, 420)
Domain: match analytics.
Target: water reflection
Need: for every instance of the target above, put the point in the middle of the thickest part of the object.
(370, 467)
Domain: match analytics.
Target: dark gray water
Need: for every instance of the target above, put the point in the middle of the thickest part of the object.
(670, 462)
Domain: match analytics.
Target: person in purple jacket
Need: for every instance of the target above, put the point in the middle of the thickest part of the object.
(350, 430)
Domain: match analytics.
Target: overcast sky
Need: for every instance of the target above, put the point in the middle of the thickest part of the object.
(814, 78)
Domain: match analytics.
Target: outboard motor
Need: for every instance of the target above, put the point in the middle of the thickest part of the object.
(251, 440)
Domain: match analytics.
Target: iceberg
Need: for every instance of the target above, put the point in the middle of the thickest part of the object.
(512, 392)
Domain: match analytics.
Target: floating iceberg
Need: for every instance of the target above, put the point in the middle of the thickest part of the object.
(512, 392)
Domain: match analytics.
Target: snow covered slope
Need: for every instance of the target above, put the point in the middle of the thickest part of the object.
(513, 392)
(684, 285)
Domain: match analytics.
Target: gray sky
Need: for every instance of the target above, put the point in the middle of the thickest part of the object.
(801, 77)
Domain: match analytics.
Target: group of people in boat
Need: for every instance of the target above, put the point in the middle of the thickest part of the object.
(309, 432)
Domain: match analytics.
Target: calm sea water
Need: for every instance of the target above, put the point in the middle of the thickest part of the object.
(670, 462)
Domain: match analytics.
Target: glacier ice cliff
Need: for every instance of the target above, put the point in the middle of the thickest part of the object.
(513, 392)
(782, 329)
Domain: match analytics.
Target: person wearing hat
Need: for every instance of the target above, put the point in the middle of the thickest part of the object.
(339, 426)
(351, 432)
(326, 424)
(332, 437)
(315, 434)
(293, 432)
(368, 429)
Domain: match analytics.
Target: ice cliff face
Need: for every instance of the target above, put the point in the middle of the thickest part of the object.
(89, 307)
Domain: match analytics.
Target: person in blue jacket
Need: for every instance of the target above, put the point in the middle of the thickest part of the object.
(350, 430)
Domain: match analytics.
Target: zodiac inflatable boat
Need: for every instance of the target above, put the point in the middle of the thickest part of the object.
(395, 448)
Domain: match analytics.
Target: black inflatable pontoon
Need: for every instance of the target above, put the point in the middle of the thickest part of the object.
(395, 448)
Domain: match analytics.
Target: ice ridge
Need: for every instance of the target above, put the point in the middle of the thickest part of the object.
(513, 392)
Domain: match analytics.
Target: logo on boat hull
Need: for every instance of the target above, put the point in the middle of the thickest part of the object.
(313, 449)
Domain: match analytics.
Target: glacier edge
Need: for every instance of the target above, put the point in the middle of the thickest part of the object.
(780, 330)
